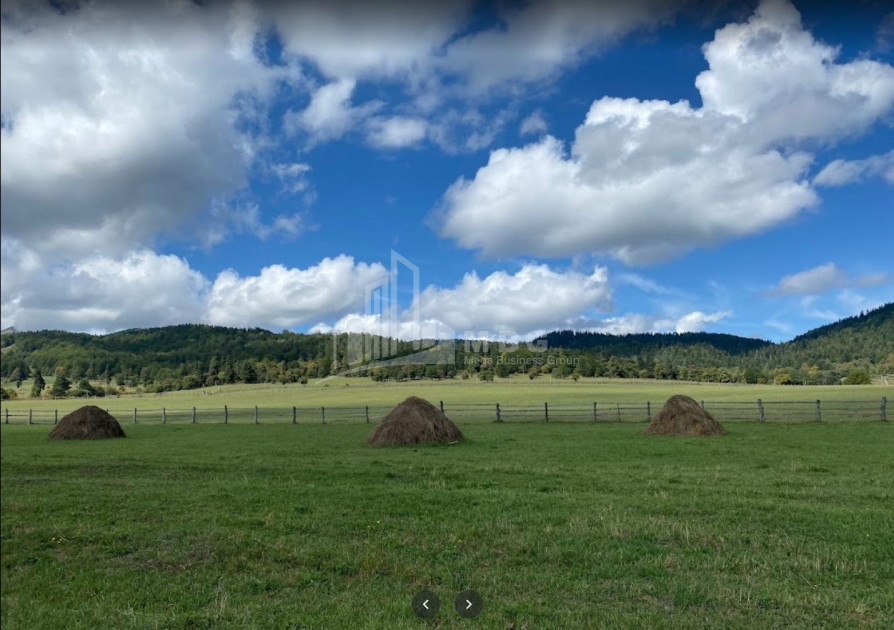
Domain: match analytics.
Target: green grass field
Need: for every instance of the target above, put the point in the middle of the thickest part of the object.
(519, 391)
(556, 525)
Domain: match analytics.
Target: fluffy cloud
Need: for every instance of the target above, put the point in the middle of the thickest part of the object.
(439, 57)
(774, 74)
(143, 288)
(120, 123)
(99, 293)
(633, 323)
(822, 279)
(375, 324)
(501, 305)
(421, 43)
(396, 132)
(648, 180)
(330, 114)
(534, 298)
(281, 297)
(841, 172)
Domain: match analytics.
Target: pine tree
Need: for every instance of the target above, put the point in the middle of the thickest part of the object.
(60, 386)
(39, 384)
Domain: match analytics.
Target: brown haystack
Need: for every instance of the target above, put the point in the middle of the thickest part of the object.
(681, 415)
(87, 423)
(415, 421)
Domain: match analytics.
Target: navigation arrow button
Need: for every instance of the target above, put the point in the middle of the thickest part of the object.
(468, 604)
(426, 604)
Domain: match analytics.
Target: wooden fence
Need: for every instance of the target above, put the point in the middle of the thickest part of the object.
(750, 411)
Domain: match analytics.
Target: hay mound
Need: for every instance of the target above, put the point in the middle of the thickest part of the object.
(681, 415)
(415, 421)
(87, 423)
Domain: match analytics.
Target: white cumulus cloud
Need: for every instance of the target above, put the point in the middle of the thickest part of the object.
(283, 297)
(100, 293)
(504, 305)
(121, 122)
(648, 180)
(533, 298)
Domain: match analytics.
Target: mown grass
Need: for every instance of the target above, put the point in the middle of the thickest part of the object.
(556, 525)
(516, 391)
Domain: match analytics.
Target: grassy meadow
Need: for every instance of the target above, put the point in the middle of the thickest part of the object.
(517, 391)
(555, 525)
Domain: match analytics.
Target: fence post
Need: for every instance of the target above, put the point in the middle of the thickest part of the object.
(367, 411)
(649, 411)
(164, 415)
(497, 417)
(619, 411)
(818, 415)
(256, 414)
(193, 415)
(442, 406)
(55, 416)
(703, 405)
(29, 416)
(134, 415)
(546, 411)
(884, 410)
(7, 415)
(294, 415)
(226, 415)
(760, 410)
(323, 412)
(595, 413)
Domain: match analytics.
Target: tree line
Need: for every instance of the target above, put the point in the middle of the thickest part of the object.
(854, 350)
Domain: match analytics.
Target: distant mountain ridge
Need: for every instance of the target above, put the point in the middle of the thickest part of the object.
(634, 343)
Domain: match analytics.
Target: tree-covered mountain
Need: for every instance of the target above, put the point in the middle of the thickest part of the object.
(189, 356)
(633, 344)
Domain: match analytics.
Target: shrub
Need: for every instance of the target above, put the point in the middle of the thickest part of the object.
(858, 376)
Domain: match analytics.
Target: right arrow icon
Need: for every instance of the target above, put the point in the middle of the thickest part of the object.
(468, 604)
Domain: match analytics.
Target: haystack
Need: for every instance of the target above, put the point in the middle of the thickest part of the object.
(87, 423)
(681, 415)
(415, 421)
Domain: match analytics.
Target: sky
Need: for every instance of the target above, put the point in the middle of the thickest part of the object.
(621, 166)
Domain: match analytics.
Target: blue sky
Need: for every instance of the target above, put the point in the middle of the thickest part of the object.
(617, 166)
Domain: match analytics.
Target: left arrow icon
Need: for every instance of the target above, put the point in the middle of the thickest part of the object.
(425, 604)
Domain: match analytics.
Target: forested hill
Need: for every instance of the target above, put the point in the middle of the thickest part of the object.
(865, 337)
(634, 344)
(858, 348)
(872, 323)
(197, 348)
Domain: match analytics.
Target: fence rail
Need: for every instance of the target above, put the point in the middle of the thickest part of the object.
(597, 411)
